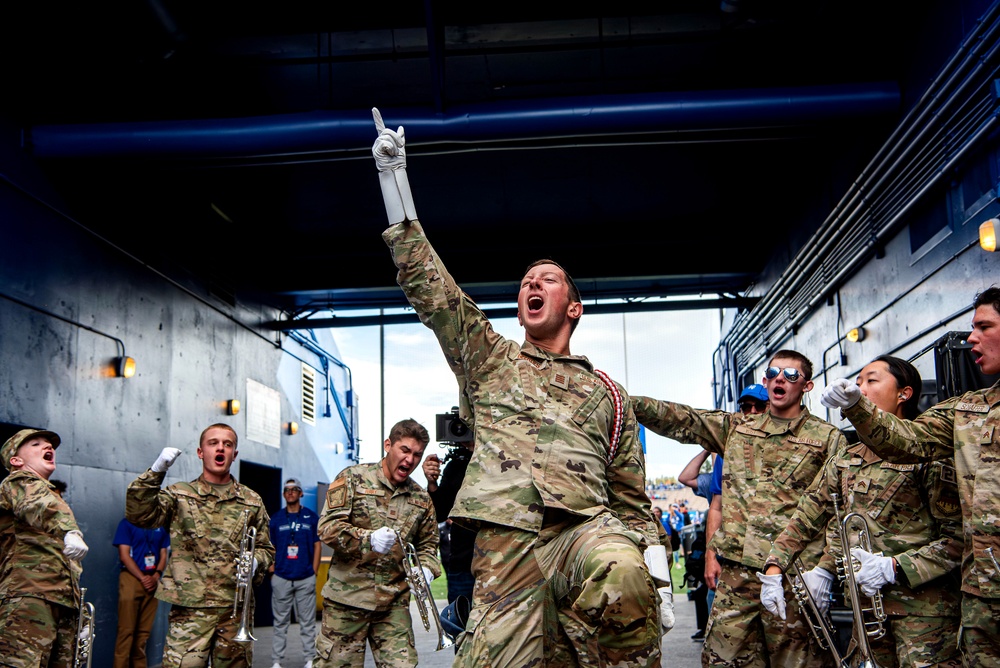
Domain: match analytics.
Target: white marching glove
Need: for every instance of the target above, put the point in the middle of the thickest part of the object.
(253, 568)
(73, 546)
(772, 595)
(84, 634)
(382, 539)
(655, 557)
(876, 571)
(428, 575)
(165, 460)
(389, 151)
(666, 609)
(819, 582)
(841, 393)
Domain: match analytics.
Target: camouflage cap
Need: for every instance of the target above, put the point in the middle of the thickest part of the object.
(9, 448)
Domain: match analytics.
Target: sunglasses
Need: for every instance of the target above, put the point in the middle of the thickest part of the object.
(791, 374)
(747, 404)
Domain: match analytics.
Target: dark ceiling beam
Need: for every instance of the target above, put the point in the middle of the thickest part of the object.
(312, 133)
(740, 303)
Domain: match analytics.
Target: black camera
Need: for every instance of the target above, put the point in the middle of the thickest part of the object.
(452, 429)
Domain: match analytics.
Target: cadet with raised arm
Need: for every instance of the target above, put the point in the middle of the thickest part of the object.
(556, 481)
(770, 459)
(912, 516)
(369, 510)
(40, 550)
(207, 519)
(966, 428)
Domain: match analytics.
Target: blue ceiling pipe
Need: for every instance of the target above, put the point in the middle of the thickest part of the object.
(319, 132)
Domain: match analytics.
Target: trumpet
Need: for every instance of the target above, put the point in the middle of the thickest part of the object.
(822, 628)
(869, 621)
(244, 581)
(84, 633)
(422, 593)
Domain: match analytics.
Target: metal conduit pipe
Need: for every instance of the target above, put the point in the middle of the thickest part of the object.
(817, 247)
(987, 127)
(317, 132)
(900, 138)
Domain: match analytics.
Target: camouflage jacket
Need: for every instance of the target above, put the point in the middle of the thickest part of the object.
(206, 525)
(33, 521)
(912, 513)
(769, 464)
(542, 421)
(968, 429)
(359, 501)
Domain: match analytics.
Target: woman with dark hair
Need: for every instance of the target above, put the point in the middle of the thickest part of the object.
(913, 517)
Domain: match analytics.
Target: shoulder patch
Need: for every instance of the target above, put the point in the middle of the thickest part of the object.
(336, 494)
(948, 474)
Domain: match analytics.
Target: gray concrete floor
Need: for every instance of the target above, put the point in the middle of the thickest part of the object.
(679, 651)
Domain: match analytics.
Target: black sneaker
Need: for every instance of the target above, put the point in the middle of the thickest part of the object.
(699, 636)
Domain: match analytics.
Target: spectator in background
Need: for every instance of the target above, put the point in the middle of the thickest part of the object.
(675, 523)
(143, 556)
(60, 488)
(296, 562)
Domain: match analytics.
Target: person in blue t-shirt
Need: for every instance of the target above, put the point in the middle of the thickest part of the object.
(296, 562)
(143, 556)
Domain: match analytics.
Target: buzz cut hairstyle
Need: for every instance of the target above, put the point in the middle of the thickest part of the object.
(219, 425)
(991, 296)
(807, 366)
(409, 428)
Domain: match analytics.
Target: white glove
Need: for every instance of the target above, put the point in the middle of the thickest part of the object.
(253, 568)
(876, 571)
(73, 546)
(166, 458)
(666, 608)
(84, 634)
(428, 575)
(819, 581)
(383, 539)
(389, 151)
(655, 557)
(841, 393)
(772, 595)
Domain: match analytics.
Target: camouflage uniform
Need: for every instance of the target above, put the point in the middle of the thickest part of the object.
(206, 524)
(366, 595)
(769, 464)
(39, 586)
(966, 428)
(540, 490)
(913, 514)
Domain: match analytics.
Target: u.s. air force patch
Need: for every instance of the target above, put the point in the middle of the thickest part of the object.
(336, 495)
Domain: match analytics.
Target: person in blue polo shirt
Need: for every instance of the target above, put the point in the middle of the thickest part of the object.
(143, 556)
(296, 562)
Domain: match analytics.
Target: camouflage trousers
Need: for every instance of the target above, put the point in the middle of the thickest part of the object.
(571, 595)
(742, 633)
(915, 641)
(341, 642)
(980, 632)
(35, 632)
(196, 635)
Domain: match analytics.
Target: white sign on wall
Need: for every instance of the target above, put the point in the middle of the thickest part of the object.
(263, 414)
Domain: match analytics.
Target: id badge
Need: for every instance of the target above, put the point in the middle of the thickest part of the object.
(150, 562)
(293, 551)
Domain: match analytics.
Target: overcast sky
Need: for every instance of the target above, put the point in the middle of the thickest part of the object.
(666, 355)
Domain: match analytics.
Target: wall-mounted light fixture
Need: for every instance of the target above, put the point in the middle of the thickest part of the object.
(856, 334)
(293, 428)
(988, 235)
(124, 367)
(232, 407)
